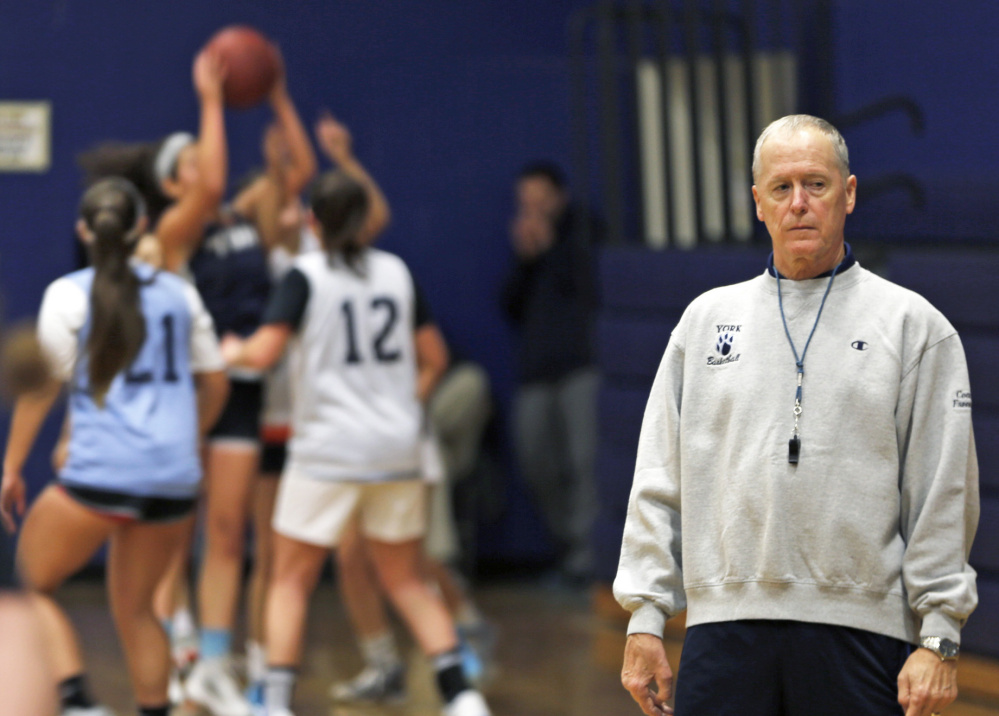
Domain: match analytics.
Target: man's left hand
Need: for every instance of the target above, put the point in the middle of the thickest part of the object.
(926, 684)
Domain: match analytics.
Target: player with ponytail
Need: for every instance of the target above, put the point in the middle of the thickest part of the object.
(137, 352)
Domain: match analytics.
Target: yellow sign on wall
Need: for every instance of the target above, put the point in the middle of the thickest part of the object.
(25, 136)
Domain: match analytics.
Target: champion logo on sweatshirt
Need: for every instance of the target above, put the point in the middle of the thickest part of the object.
(724, 345)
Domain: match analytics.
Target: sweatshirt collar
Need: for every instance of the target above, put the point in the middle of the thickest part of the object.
(847, 262)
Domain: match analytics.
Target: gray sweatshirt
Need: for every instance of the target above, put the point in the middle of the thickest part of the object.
(871, 529)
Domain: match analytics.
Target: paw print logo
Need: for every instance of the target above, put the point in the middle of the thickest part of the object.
(724, 344)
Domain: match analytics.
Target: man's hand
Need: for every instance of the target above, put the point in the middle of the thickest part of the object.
(532, 235)
(644, 663)
(926, 684)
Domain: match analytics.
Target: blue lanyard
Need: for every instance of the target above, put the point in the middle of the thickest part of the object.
(794, 444)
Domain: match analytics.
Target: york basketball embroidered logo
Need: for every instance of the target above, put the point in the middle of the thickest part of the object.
(724, 345)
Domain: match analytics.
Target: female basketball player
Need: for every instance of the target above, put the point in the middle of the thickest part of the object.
(336, 143)
(127, 340)
(224, 252)
(359, 365)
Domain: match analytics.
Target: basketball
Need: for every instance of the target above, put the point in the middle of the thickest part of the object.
(252, 64)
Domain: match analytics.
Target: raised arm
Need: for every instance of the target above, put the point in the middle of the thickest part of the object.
(180, 228)
(271, 202)
(301, 160)
(336, 143)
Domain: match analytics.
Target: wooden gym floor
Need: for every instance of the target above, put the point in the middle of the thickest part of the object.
(559, 653)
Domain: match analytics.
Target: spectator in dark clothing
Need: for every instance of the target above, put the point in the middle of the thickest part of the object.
(550, 297)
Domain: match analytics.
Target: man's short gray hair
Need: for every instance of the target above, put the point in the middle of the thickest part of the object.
(795, 122)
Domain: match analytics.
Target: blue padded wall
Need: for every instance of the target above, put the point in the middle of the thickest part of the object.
(962, 286)
(644, 294)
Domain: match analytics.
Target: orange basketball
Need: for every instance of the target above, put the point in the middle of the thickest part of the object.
(252, 64)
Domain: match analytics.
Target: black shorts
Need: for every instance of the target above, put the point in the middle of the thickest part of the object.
(240, 420)
(272, 459)
(131, 508)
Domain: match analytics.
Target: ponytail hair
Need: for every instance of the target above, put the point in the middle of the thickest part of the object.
(340, 205)
(141, 163)
(112, 210)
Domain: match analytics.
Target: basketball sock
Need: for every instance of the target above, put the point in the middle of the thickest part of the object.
(155, 710)
(256, 661)
(450, 678)
(74, 692)
(380, 650)
(279, 688)
(215, 643)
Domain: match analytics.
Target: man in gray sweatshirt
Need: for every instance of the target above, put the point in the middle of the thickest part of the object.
(806, 484)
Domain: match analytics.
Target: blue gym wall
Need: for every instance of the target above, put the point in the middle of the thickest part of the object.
(446, 99)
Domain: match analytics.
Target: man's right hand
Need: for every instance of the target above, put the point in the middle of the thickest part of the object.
(532, 235)
(644, 663)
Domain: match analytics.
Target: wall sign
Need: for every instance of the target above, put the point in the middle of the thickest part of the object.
(25, 136)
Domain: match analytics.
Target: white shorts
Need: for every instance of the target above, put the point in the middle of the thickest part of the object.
(318, 511)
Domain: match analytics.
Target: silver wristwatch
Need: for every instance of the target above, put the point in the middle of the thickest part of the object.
(946, 649)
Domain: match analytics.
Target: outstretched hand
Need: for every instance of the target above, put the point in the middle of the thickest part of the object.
(209, 74)
(926, 684)
(12, 500)
(645, 664)
(334, 138)
(231, 348)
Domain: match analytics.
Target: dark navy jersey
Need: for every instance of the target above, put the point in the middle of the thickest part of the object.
(230, 272)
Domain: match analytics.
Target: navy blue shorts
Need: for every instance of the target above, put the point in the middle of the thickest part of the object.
(272, 459)
(240, 419)
(787, 668)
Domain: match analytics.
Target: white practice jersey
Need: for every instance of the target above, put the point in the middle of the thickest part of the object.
(355, 413)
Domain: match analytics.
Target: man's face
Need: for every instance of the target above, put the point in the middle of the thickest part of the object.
(537, 197)
(803, 198)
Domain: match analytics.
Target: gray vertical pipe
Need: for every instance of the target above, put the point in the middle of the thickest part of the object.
(664, 35)
(692, 46)
(636, 35)
(749, 77)
(719, 27)
(610, 123)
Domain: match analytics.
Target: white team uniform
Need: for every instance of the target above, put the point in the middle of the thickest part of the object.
(356, 419)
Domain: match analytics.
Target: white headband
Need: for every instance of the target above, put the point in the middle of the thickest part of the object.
(166, 158)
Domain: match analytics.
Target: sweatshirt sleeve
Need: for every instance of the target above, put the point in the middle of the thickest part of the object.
(649, 581)
(939, 488)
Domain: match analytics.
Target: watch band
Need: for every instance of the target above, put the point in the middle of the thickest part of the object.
(946, 649)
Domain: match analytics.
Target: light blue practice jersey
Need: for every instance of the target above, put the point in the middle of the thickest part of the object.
(144, 440)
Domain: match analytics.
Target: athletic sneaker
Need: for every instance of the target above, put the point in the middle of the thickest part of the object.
(478, 646)
(212, 685)
(467, 703)
(372, 684)
(175, 687)
(95, 710)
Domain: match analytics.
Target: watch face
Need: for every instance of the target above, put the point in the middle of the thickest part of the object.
(944, 648)
(948, 649)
